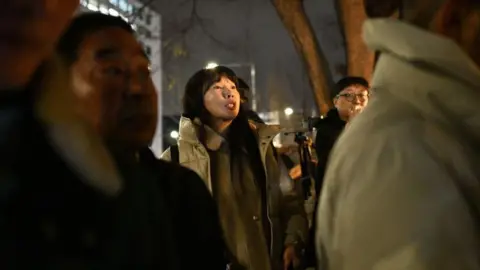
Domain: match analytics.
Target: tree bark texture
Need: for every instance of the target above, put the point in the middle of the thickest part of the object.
(295, 20)
(360, 60)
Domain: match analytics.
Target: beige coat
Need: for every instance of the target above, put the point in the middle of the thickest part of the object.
(402, 189)
(285, 205)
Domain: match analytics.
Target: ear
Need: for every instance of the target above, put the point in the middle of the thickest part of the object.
(335, 101)
(381, 8)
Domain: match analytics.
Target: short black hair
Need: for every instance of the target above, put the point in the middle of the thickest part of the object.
(81, 27)
(349, 81)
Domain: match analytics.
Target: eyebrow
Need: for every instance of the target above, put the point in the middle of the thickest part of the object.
(106, 53)
(112, 52)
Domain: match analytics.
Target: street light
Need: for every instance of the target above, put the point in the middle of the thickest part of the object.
(211, 65)
(174, 134)
(288, 111)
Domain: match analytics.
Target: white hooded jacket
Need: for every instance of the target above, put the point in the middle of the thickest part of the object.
(402, 190)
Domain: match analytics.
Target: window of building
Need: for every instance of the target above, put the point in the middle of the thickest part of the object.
(140, 31)
(92, 5)
(148, 34)
(148, 51)
(140, 13)
(103, 9)
(123, 5)
(113, 12)
(148, 19)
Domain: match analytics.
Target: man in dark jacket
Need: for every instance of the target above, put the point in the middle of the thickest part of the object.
(56, 176)
(175, 216)
(350, 96)
(63, 202)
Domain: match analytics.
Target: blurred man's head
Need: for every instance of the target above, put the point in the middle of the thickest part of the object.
(350, 96)
(111, 76)
(457, 19)
(29, 30)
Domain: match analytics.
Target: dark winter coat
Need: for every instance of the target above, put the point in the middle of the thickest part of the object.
(66, 203)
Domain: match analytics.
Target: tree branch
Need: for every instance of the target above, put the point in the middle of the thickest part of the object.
(294, 18)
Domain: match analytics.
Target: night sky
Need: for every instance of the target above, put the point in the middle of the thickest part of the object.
(248, 30)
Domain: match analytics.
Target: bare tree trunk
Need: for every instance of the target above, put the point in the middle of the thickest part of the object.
(360, 60)
(294, 18)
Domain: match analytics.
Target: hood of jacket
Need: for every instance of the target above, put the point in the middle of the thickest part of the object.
(427, 71)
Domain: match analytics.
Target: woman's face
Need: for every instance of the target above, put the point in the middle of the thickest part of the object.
(222, 100)
(112, 79)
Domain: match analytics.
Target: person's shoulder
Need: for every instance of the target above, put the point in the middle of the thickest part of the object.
(175, 170)
(332, 118)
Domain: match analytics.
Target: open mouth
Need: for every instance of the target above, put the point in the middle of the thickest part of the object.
(231, 106)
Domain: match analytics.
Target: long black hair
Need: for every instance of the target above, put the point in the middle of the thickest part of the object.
(240, 134)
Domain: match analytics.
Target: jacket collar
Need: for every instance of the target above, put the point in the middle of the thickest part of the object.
(69, 135)
(334, 117)
(188, 132)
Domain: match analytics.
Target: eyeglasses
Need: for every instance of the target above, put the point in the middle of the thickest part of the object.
(352, 96)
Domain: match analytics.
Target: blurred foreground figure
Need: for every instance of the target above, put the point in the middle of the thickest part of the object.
(154, 226)
(56, 177)
(402, 190)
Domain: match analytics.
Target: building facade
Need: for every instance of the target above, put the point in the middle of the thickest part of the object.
(147, 24)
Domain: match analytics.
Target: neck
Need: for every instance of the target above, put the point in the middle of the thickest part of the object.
(129, 154)
(344, 117)
(220, 126)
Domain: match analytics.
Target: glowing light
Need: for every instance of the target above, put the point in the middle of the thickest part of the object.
(288, 111)
(113, 12)
(174, 134)
(92, 7)
(211, 65)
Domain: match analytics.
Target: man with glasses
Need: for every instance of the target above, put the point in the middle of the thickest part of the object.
(350, 99)
(350, 96)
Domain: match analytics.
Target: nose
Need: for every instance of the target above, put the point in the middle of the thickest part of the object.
(227, 93)
(136, 85)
